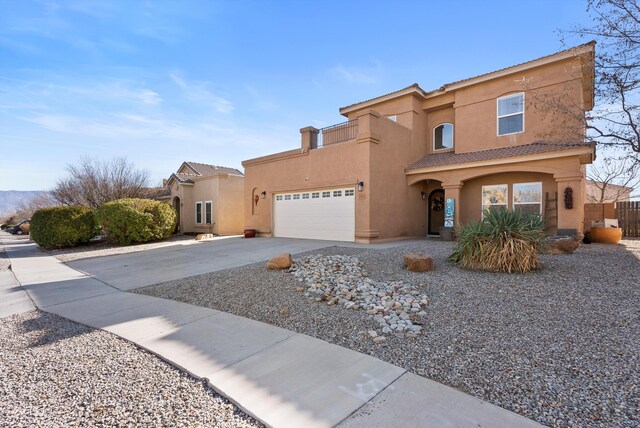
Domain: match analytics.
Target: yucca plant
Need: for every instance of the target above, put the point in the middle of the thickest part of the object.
(504, 241)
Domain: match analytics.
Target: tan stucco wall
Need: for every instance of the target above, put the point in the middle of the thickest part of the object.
(228, 212)
(377, 158)
(226, 195)
(336, 165)
(472, 192)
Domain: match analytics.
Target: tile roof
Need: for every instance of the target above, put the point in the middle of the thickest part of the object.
(203, 169)
(414, 86)
(425, 93)
(184, 178)
(451, 158)
(574, 48)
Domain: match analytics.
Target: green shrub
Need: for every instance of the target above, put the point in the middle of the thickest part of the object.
(58, 227)
(504, 241)
(136, 220)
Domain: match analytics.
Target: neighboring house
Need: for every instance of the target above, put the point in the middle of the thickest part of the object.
(207, 198)
(510, 139)
(599, 192)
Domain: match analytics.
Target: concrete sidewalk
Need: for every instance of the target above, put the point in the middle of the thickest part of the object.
(282, 378)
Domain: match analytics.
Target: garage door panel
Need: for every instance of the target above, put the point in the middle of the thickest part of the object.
(331, 218)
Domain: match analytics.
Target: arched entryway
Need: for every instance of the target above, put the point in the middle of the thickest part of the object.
(176, 206)
(436, 212)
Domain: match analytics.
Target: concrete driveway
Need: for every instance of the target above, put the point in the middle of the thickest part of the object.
(134, 270)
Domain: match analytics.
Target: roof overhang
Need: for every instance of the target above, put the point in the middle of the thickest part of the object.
(587, 49)
(586, 155)
(414, 90)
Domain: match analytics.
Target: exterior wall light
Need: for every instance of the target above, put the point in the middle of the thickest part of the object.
(360, 185)
(424, 195)
(263, 194)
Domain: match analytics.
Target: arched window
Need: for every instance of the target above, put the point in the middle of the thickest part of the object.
(443, 136)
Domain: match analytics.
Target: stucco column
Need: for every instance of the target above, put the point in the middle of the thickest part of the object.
(454, 190)
(367, 127)
(309, 138)
(572, 218)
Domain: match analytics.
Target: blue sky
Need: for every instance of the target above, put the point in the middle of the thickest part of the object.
(218, 82)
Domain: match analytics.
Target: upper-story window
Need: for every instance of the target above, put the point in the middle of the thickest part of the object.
(443, 137)
(511, 114)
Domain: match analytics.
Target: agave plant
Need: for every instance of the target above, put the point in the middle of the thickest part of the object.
(504, 241)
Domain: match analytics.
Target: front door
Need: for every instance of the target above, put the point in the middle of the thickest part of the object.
(436, 211)
(176, 206)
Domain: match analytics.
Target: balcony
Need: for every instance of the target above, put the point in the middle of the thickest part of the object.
(338, 133)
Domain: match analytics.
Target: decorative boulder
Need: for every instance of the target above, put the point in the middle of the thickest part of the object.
(419, 262)
(563, 244)
(283, 261)
(202, 236)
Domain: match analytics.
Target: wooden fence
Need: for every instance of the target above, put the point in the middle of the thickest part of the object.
(628, 214)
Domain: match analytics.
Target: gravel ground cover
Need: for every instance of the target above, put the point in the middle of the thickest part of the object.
(54, 372)
(560, 345)
(100, 249)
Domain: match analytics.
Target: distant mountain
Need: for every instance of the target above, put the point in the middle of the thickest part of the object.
(10, 200)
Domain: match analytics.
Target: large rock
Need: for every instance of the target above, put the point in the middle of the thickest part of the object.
(283, 261)
(201, 236)
(419, 262)
(563, 244)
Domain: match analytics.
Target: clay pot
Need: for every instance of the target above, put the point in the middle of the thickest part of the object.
(605, 235)
(249, 233)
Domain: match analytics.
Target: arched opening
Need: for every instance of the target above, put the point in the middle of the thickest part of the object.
(176, 206)
(254, 200)
(436, 212)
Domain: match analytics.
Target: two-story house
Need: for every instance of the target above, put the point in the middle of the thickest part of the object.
(510, 139)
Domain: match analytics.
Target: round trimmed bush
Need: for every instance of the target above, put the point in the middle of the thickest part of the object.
(57, 227)
(136, 220)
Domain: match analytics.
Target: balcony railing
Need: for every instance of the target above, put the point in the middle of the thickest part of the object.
(338, 133)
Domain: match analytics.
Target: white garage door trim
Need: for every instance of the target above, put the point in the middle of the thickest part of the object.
(328, 214)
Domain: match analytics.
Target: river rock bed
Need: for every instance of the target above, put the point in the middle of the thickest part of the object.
(396, 306)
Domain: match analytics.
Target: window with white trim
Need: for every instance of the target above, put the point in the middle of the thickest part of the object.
(527, 198)
(279, 198)
(208, 212)
(337, 193)
(296, 196)
(326, 194)
(315, 195)
(287, 197)
(511, 114)
(495, 197)
(198, 212)
(443, 137)
(348, 192)
(305, 196)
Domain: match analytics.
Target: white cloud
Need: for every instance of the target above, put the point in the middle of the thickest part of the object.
(198, 92)
(357, 75)
(147, 96)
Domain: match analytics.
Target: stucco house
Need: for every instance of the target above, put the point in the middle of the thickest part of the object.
(410, 162)
(207, 198)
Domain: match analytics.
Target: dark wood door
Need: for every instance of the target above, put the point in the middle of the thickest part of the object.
(436, 211)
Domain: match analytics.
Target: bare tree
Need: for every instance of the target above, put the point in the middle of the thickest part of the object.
(28, 207)
(615, 121)
(613, 179)
(93, 182)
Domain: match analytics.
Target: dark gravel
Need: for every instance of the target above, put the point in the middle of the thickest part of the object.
(560, 345)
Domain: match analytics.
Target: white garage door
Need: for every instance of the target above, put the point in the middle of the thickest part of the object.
(320, 214)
